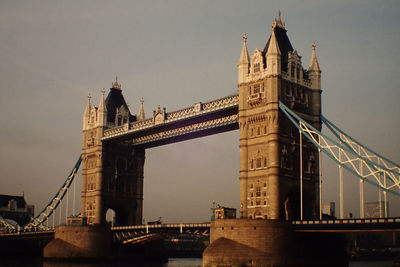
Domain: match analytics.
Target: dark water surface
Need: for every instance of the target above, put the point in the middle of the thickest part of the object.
(172, 262)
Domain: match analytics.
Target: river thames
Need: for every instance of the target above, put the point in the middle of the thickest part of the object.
(172, 262)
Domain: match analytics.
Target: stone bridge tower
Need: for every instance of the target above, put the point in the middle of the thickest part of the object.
(269, 143)
(112, 174)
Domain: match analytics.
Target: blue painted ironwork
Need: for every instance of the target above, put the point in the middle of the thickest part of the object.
(368, 154)
(349, 154)
(56, 200)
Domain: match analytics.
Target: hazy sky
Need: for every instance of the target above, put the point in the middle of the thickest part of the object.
(175, 54)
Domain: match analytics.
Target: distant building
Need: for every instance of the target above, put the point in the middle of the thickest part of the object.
(375, 209)
(15, 208)
(224, 213)
(329, 209)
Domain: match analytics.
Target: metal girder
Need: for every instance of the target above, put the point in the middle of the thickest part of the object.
(56, 200)
(8, 226)
(356, 158)
(376, 161)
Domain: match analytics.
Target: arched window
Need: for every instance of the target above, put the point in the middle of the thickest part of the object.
(258, 165)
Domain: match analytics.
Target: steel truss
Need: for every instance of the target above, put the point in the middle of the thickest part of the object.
(351, 155)
(7, 226)
(37, 222)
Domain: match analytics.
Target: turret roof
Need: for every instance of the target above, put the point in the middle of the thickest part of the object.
(114, 100)
(283, 42)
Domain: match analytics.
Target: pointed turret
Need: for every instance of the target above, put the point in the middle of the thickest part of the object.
(244, 63)
(141, 115)
(314, 74)
(273, 55)
(314, 66)
(273, 48)
(244, 55)
(314, 69)
(86, 113)
(102, 111)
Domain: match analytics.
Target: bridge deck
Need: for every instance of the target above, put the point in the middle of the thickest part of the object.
(28, 235)
(349, 225)
(202, 119)
(337, 226)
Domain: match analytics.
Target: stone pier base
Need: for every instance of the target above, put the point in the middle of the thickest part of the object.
(247, 242)
(79, 242)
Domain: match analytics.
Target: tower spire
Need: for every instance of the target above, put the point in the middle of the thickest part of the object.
(315, 72)
(273, 48)
(314, 66)
(278, 21)
(244, 62)
(116, 85)
(102, 110)
(141, 115)
(244, 55)
(273, 56)
(86, 113)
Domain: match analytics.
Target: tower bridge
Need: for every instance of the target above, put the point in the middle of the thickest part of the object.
(277, 111)
(114, 144)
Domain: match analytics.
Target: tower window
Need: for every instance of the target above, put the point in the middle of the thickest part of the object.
(258, 192)
(257, 67)
(292, 69)
(258, 165)
(288, 91)
(256, 89)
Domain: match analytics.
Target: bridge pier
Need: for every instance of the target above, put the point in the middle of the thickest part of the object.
(79, 242)
(247, 242)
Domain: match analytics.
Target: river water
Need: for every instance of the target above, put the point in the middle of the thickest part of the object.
(172, 262)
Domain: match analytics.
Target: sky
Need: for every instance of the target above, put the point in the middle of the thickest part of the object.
(175, 54)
